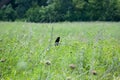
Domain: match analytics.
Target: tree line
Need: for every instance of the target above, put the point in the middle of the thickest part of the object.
(60, 10)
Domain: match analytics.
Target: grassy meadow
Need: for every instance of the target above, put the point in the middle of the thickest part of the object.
(87, 51)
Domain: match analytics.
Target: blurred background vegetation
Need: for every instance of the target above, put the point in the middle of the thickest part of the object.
(59, 10)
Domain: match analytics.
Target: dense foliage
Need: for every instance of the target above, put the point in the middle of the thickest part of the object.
(61, 10)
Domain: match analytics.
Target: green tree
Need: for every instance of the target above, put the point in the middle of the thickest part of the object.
(104, 10)
(8, 13)
(22, 7)
(61, 10)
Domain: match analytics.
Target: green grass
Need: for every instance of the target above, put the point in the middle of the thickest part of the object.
(93, 47)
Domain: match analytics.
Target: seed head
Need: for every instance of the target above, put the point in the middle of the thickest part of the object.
(68, 78)
(2, 60)
(94, 72)
(48, 62)
(72, 66)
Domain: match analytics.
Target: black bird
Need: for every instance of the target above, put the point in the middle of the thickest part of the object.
(57, 41)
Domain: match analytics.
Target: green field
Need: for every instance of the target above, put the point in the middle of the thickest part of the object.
(87, 51)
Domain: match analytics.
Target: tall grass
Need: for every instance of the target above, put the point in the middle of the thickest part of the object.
(27, 51)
